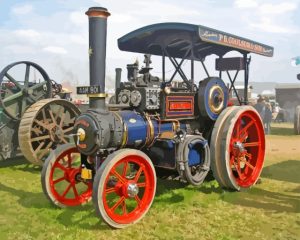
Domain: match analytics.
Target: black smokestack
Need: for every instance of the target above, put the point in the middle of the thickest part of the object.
(97, 52)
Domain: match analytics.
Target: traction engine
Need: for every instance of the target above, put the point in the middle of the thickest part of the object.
(34, 118)
(157, 127)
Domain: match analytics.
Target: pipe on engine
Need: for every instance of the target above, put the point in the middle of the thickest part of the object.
(97, 53)
(118, 78)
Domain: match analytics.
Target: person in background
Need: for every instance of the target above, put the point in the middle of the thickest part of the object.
(260, 107)
(275, 111)
(267, 118)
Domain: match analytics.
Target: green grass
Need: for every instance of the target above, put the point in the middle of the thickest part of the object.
(282, 129)
(270, 210)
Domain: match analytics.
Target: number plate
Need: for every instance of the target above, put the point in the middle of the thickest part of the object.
(88, 90)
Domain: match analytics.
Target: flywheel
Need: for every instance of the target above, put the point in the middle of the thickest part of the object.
(21, 85)
(45, 125)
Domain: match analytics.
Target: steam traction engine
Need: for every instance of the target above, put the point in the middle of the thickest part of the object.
(32, 119)
(158, 127)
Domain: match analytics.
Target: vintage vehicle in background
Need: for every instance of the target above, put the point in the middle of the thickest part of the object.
(297, 116)
(157, 127)
(32, 118)
(297, 121)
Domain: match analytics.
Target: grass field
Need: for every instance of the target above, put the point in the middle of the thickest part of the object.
(270, 210)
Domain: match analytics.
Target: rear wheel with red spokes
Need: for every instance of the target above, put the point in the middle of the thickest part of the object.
(61, 178)
(242, 149)
(124, 187)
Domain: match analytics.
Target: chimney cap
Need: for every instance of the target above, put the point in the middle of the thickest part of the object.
(98, 12)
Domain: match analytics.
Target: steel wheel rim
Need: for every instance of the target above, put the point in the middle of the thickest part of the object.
(144, 179)
(71, 175)
(45, 125)
(246, 149)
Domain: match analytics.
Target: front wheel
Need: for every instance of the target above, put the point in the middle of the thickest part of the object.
(61, 178)
(124, 187)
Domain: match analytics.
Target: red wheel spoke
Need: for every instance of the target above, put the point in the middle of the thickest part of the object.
(232, 160)
(244, 129)
(125, 169)
(67, 190)
(237, 168)
(69, 160)
(75, 190)
(58, 165)
(244, 137)
(117, 204)
(59, 180)
(110, 190)
(141, 185)
(249, 155)
(124, 209)
(247, 163)
(138, 200)
(114, 172)
(251, 144)
(138, 174)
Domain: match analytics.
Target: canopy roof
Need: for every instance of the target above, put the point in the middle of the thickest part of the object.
(176, 39)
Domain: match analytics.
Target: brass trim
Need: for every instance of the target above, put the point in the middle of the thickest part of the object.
(175, 123)
(125, 135)
(98, 95)
(219, 108)
(97, 13)
(150, 131)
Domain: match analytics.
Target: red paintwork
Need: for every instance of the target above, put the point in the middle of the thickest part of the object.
(69, 175)
(118, 193)
(180, 105)
(248, 130)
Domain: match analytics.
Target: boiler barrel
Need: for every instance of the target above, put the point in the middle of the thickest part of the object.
(107, 130)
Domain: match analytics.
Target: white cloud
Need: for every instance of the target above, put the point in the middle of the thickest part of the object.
(78, 18)
(24, 9)
(28, 34)
(79, 39)
(245, 4)
(121, 18)
(162, 9)
(267, 25)
(55, 50)
(18, 49)
(277, 8)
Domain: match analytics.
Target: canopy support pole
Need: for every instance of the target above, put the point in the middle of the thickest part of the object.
(163, 66)
(232, 86)
(204, 67)
(246, 76)
(178, 67)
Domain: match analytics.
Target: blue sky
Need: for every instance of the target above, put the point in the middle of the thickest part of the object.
(55, 33)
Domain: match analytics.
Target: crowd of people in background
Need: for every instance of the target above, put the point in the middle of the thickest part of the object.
(264, 108)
